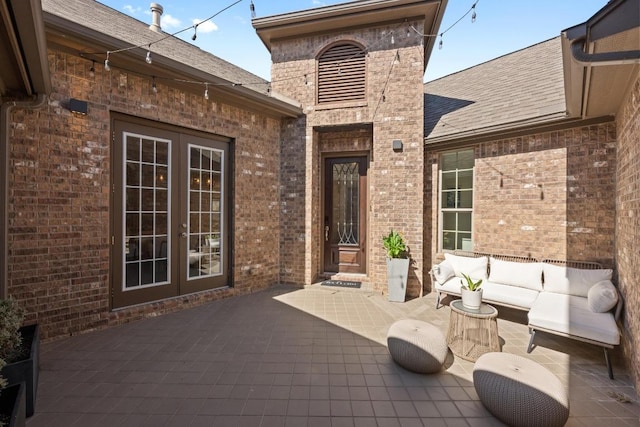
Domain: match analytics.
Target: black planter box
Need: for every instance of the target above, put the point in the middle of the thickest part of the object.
(13, 405)
(26, 370)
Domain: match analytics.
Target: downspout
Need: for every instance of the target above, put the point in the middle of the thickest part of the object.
(628, 57)
(5, 134)
(588, 60)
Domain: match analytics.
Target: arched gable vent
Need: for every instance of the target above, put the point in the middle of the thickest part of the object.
(341, 74)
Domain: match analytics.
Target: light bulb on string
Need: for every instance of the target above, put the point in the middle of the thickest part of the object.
(440, 43)
(306, 82)
(195, 32)
(92, 70)
(106, 63)
(148, 58)
(393, 40)
(252, 8)
(154, 87)
(206, 91)
(473, 14)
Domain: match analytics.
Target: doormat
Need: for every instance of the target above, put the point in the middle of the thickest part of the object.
(341, 283)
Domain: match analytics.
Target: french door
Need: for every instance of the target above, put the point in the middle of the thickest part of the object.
(170, 213)
(345, 215)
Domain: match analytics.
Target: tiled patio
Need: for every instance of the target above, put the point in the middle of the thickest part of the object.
(296, 357)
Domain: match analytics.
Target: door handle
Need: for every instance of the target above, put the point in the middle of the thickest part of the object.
(183, 234)
(326, 233)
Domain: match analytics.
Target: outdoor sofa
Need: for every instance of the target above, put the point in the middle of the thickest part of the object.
(572, 299)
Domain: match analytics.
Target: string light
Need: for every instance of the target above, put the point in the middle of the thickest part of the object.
(106, 63)
(206, 91)
(393, 40)
(148, 58)
(252, 8)
(473, 15)
(471, 10)
(440, 44)
(154, 87)
(195, 32)
(92, 70)
(306, 82)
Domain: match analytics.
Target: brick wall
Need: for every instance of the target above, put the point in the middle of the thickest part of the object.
(628, 224)
(547, 195)
(395, 179)
(59, 198)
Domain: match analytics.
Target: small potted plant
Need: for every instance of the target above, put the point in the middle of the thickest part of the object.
(397, 266)
(12, 403)
(20, 349)
(471, 293)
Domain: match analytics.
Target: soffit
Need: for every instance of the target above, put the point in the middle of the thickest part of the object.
(595, 88)
(24, 70)
(348, 15)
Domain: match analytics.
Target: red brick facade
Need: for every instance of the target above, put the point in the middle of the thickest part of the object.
(392, 109)
(627, 231)
(59, 200)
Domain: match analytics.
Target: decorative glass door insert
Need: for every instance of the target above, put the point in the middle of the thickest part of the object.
(345, 209)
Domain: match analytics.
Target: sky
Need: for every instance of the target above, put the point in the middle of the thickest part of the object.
(501, 27)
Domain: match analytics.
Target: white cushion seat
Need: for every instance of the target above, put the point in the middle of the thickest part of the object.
(570, 314)
(509, 295)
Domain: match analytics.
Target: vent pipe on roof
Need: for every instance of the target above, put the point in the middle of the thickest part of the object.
(156, 13)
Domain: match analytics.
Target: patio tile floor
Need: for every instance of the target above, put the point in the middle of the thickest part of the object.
(297, 357)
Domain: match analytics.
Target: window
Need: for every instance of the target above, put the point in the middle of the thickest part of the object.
(341, 74)
(456, 200)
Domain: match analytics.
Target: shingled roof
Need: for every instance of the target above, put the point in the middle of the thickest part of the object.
(115, 30)
(514, 91)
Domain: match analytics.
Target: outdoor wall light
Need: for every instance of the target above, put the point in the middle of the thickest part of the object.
(397, 145)
(78, 107)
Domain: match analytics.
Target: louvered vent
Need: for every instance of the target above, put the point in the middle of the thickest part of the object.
(341, 74)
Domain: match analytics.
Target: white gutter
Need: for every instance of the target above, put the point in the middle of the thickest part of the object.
(5, 134)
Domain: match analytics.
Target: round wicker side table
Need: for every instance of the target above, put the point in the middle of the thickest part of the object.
(472, 333)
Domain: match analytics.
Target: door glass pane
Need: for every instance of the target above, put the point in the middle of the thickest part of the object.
(205, 225)
(146, 216)
(346, 204)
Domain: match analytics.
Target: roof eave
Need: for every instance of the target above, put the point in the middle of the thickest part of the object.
(26, 40)
(579, 56)
(349, 15)
(71, 35)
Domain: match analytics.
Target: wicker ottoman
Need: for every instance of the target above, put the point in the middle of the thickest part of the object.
(519, 391)
(417, 346)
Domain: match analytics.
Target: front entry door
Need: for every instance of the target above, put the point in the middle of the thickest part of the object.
(345, 215)
(170, 214)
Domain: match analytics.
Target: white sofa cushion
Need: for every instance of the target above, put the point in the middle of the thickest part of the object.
(443, 272)
(451, 286)
(571, 315)
(476, 268)
(572, 281)
(508, 295)
(522, 274)
(602, 297)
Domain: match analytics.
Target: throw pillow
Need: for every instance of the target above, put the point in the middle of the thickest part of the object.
(443, 272)
(602, 297)
(521, 274)
(476, 268)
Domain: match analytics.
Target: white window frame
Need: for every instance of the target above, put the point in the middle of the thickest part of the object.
(442, 210)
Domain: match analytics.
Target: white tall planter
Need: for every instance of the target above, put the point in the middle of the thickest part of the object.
(397, 275)
(471, 299)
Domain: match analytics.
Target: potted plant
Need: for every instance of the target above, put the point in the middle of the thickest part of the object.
(20, 349)
(397, 265)
(12, 403)
(471, 293)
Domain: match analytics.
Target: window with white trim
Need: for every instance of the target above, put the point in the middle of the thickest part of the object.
(456, 200)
